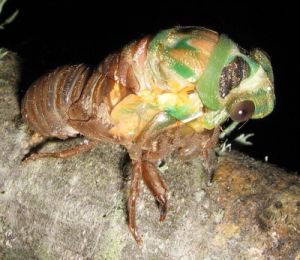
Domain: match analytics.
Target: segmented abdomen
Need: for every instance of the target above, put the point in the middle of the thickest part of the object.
(47, 100)
(74, 99)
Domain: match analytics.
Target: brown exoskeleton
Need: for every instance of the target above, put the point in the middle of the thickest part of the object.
(159, 95)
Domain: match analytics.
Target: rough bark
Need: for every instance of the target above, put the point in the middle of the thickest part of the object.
(76, 208)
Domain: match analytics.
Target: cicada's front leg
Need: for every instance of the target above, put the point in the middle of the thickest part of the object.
(154, 183)
(210, 158)
(201, 145)
(143, 167)
(156, 186)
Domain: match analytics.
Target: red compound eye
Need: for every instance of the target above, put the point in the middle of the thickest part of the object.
(242, 111)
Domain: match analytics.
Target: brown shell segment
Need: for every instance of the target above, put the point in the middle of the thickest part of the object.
(55, 103)
(48, 99)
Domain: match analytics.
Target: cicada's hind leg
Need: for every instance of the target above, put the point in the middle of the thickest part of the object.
(83, 147)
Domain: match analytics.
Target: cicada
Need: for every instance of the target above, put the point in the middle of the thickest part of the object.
(162, 95)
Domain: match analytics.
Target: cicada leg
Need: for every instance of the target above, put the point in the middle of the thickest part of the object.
(156, 185)
(133, 195)
(83, 147)
(210, 158)
(142, 167)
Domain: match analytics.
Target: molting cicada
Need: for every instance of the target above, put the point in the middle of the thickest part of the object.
(159, 95)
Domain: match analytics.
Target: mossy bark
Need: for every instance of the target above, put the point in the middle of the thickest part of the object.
(76, 208)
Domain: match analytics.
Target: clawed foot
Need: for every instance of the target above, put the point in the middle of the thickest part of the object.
(155, 184)
(135, 235)
(157, 187)
(163, 203)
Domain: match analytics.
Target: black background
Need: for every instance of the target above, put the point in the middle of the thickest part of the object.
(47, 34)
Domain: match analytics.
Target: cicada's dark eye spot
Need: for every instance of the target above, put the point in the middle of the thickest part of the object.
(232, 75)
(242, 111)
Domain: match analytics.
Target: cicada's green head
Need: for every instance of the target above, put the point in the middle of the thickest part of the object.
(229, 81)
(236, 84)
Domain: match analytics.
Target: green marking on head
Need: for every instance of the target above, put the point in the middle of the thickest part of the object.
(208, 84)
(262, 58)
